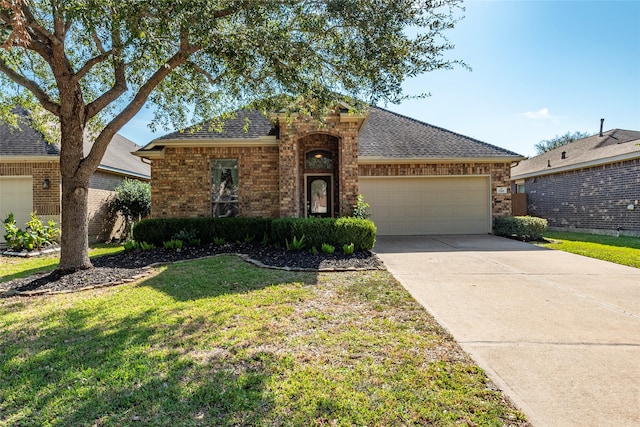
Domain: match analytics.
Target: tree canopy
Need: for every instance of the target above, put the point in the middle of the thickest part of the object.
(91, 65)
(558, 141)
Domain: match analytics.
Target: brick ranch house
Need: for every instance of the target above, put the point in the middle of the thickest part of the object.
(30, 179)
(591, 185)
(419, 179)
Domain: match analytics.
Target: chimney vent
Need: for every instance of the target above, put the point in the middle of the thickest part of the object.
(548, 163)
(564, 155)
(601, 125)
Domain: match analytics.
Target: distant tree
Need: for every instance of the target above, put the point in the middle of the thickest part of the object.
(558, 141)
(92, 65)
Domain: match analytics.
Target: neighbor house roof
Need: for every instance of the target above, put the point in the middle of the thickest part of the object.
(24, 140)
(614, 145)
(118, 158)
(390, 136)
(385, 136)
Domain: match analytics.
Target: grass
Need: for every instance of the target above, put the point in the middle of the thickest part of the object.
(17, 267)
(220, 342)
(620, 250)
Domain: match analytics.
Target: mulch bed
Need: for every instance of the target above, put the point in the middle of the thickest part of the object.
(129, 266)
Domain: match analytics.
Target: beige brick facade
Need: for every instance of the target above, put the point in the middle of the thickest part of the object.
(181, 181)
(273, 172)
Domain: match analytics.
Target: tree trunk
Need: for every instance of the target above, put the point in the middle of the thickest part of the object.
(74, 253)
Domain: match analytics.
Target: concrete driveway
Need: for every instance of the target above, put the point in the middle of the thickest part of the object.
(557, 332)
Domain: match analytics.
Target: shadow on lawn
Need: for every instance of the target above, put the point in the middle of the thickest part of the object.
(123, 372)
(221, 275)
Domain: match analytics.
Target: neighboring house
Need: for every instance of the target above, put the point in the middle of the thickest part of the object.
(592, 184)
(30, 179)
(418, 178)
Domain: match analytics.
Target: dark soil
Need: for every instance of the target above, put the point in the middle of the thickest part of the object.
(128, 266)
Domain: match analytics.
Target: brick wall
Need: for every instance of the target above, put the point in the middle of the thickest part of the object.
(181, 181)
(104, 223)
(498, 172)
(593, 198)
(46, 202)
(290, 154)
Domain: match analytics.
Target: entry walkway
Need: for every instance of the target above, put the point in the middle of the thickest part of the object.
(557, 332)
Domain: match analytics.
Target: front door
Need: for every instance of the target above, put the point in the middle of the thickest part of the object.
(319, 196)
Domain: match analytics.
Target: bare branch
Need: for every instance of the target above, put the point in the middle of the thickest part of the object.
(32, 86)
(98, 42)
(205, 73)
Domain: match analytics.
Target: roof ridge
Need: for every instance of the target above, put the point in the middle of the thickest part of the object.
(446, 130)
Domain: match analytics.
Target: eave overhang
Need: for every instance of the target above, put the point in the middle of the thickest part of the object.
(376, 160)
(155, 149)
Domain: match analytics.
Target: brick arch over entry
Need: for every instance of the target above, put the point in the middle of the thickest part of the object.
(311, 143)
(336, 135)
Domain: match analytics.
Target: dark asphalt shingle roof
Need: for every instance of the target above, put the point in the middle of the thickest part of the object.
(386, 134)
(24, 140)
(246, 124)
(118, 157)
(593, 149)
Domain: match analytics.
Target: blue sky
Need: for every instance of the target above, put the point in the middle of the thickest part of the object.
(540, 68)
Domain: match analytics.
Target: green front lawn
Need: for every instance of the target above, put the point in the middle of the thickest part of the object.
(621, 250)
(220, 342)
(17, 267)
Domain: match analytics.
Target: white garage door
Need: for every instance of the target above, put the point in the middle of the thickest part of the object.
(16, 195)
(434, 205)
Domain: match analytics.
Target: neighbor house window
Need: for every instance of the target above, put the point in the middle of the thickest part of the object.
(520, 188)
(224, 187)
(319, 159)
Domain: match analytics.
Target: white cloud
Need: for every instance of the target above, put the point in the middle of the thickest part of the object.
(537, 115)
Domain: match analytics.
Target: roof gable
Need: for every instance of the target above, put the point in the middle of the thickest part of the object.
(118, 158)
(613, 145)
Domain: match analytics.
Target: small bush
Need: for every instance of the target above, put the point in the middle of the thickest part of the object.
(173, 244)
(520, 227)
(36, 235)
(296, 244)
(187, 237)
(147, 246)
(131, 245)
(314, 251)
(327, 248)
(348, 249)
(219, 241)
(361, 208)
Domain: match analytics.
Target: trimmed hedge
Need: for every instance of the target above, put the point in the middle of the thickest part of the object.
(159, 230)
(520, 227)
(334, 231)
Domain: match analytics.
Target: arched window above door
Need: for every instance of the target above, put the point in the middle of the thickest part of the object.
(319, 159)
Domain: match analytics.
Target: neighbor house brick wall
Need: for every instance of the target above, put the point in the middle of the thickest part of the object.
(291, 180)
(181, 181)
(105, 224)
(46, 202)
(592, 198)
(498, 172)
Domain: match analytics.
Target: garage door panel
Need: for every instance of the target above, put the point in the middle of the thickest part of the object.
(434, 205)
(16, 196)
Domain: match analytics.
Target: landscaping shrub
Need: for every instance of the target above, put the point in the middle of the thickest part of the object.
(36, 235)
(334, 231)
(159, 230)
(520, 227)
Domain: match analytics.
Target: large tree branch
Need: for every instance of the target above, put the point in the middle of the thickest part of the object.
(90, 64)
(120, 79)
(92, 160)
(32, 86)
